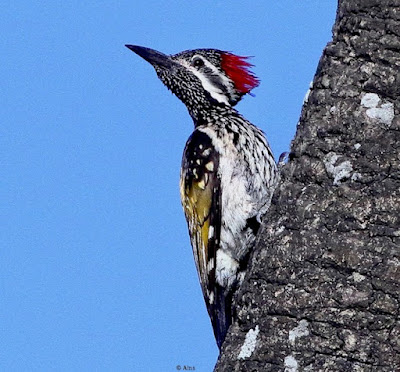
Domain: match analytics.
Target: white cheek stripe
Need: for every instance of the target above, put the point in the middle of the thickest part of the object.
(215, 92)
(223, 77)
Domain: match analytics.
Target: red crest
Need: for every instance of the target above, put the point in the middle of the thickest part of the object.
(238, 70)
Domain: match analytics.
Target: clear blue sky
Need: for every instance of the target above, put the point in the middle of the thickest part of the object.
(97, 271)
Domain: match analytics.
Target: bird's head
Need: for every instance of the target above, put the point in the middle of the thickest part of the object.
(202, 77)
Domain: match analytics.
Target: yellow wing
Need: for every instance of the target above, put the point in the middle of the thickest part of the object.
(201, 199)
(200, 194)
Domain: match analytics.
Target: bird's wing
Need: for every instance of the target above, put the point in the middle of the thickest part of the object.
(201, 194)
(200, 188)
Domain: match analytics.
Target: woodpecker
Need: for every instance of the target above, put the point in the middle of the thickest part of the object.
(228, 171)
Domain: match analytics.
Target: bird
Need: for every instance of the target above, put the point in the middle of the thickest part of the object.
(228, 171)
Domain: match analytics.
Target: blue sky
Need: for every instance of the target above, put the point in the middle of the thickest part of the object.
(97, 269)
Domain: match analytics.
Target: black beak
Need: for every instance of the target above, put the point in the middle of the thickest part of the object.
(152, 56)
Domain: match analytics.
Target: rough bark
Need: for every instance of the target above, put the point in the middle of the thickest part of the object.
(322, 292)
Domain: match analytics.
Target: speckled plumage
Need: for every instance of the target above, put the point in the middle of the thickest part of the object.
(228, 171)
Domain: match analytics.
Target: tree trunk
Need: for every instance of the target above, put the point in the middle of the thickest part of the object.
(322, 290)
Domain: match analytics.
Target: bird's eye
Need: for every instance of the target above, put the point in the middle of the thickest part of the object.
(197, 62)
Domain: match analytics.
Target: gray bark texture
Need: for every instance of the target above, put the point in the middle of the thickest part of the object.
(322, 290)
